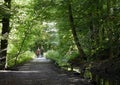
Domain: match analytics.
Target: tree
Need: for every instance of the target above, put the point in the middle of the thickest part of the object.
(5, 33)
(73, 28)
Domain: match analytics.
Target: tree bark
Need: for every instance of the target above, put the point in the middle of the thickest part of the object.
(4, 40)
(76, 39)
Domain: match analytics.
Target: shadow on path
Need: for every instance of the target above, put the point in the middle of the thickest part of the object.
(39, 71)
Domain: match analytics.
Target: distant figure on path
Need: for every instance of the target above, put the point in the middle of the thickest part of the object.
(42, 51)
(38, 52)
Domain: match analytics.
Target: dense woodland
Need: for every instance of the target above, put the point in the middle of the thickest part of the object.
(70, 32)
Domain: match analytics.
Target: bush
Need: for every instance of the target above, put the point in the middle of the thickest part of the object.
(56, 57)
(22, 58)
(53, 55)
(74, 58)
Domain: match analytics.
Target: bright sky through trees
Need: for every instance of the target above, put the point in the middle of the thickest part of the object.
(22, 2)
(1, 1)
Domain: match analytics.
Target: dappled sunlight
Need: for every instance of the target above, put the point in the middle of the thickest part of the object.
(40, 59)
(23, 2)
(60, 40)
(74, 79)
(8, 71)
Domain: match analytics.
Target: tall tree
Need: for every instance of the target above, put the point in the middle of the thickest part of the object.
(73, 28)
(5, 32)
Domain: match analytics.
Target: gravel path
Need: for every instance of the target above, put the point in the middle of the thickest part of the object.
(39, 71)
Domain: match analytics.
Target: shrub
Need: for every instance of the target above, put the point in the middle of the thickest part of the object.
(22, 58)
(56, 57)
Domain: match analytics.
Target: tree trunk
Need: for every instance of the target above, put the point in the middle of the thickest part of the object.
(82, 54)
(108, 7)
(4, 40)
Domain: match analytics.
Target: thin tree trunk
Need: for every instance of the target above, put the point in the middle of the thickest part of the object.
(82, 54)
(22, 43)
(110, 32)
(20, 50)
(108, 7)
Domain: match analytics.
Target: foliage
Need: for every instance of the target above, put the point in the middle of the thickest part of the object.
(63, 60)
(94, 22)
(24, 57)
(4, 11)
(46, 24)
(56, 57)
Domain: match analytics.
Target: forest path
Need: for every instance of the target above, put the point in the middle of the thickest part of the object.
(39, 71)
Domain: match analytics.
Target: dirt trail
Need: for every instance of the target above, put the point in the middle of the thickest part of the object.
(39, 71)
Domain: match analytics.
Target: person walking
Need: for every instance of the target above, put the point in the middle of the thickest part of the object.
(38, 52)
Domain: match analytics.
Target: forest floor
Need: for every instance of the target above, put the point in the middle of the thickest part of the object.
(109, 69)
(40, 71)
